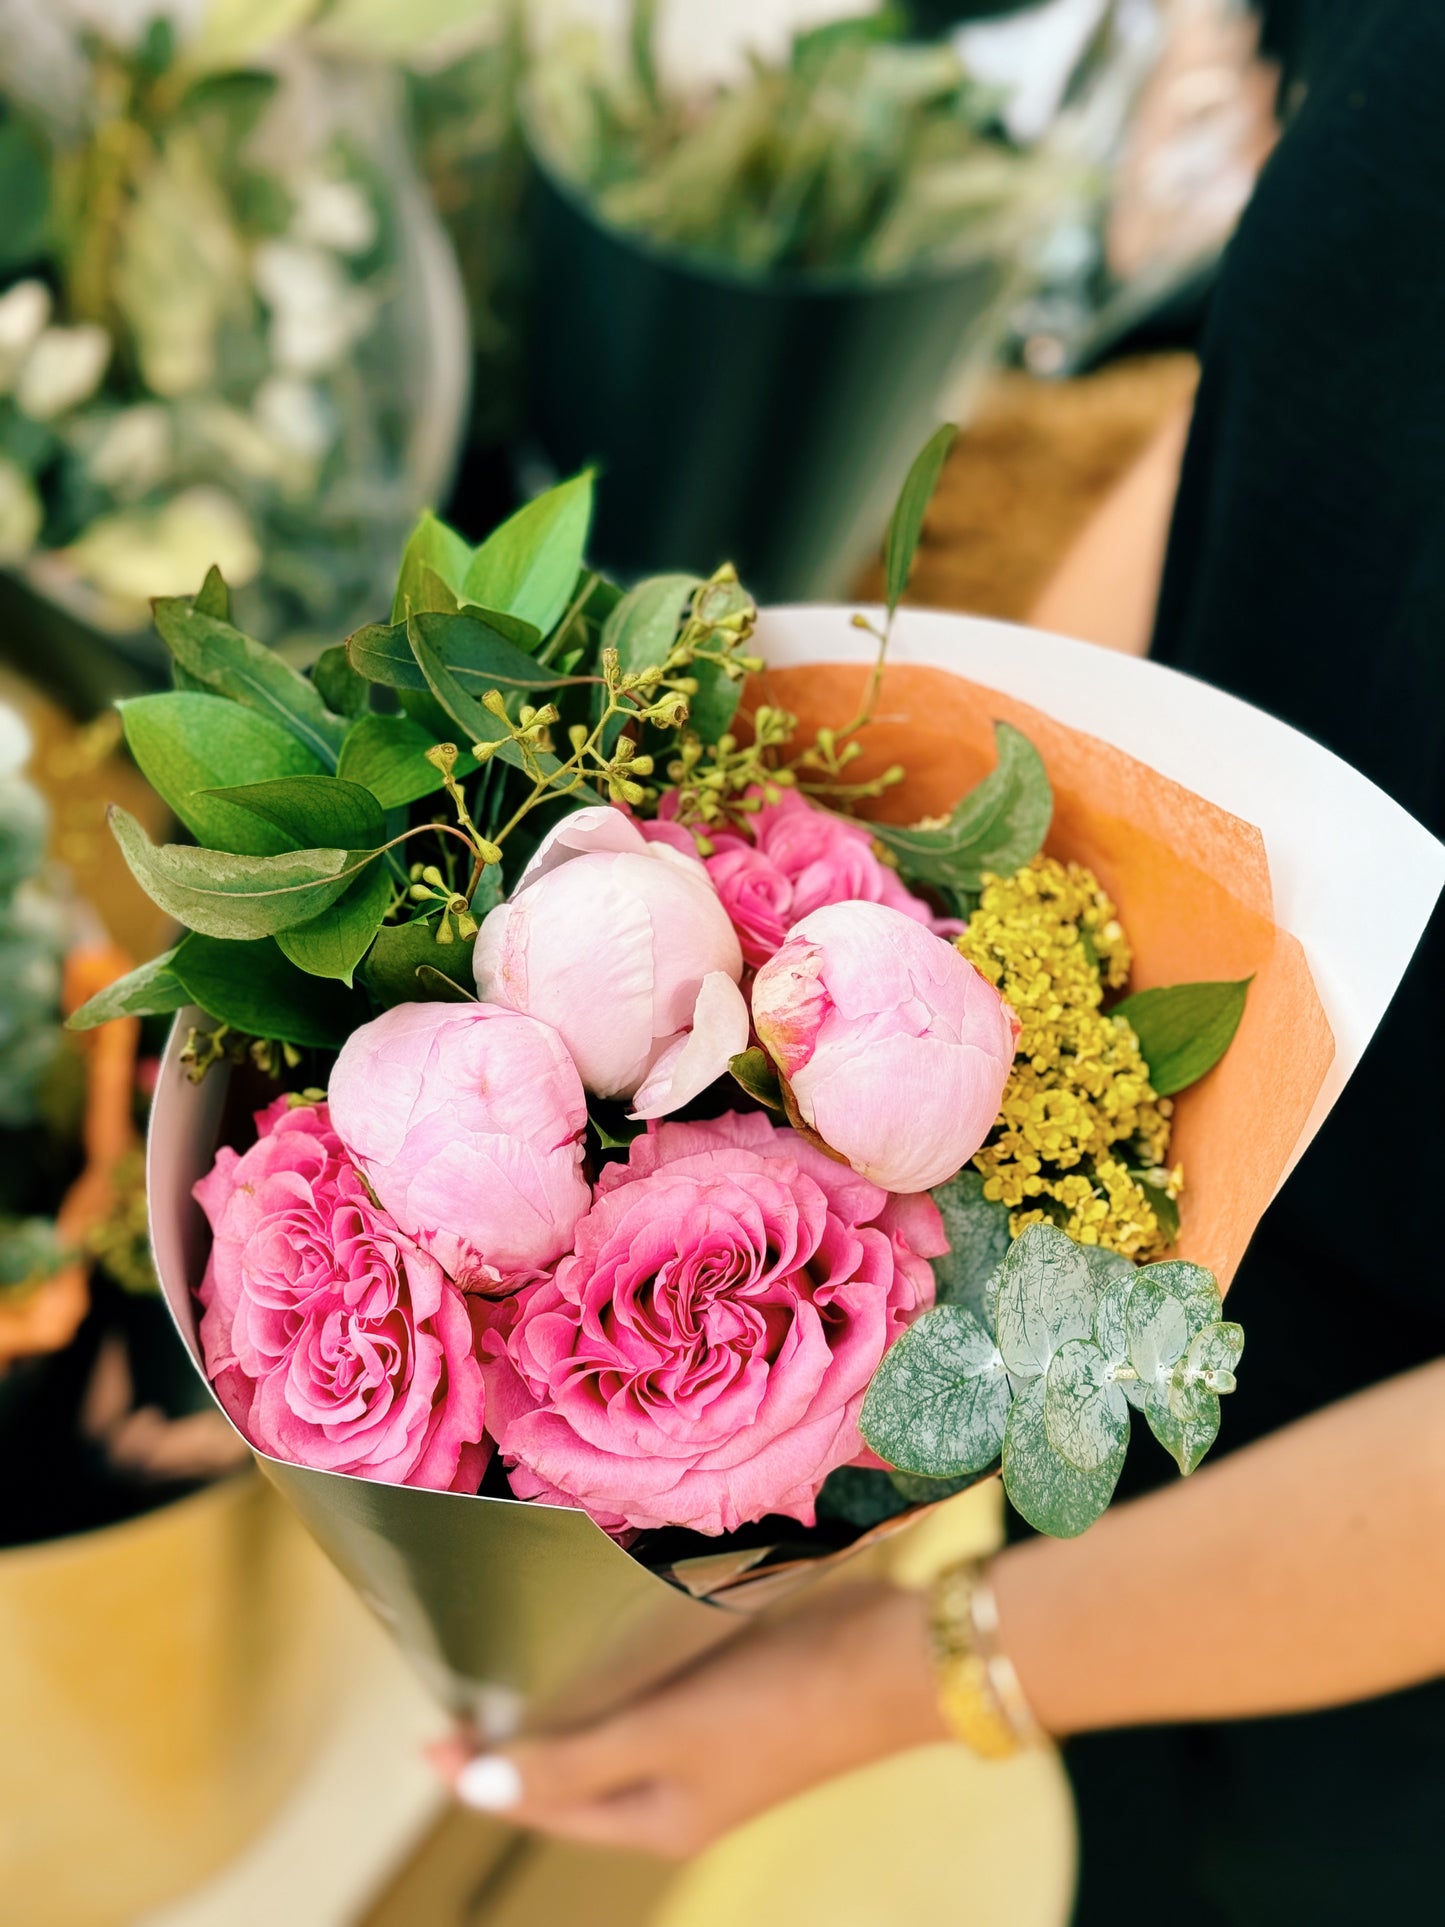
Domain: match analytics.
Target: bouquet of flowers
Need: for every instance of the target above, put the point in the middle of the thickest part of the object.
(669, 1179)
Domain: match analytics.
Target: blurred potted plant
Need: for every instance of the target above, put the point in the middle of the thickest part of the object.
(163, 1660)
(749, 304)
(230, 324)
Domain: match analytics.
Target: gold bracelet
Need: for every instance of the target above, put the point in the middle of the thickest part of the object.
(978, 1690)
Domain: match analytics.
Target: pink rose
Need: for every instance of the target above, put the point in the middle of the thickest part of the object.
(467, 1121)
(895, 1048)
(798, 859)
(620, 943)
(701, 1359)
(331, 1338)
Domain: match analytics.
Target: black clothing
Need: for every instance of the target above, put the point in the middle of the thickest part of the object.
(1306, 573)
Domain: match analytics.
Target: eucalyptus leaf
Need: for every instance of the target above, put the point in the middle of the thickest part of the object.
(758, 1075)
(1214, 1354)
(996, 829)
(388, 756)
(1053, 1495)
(939, 1399)
(712, 710)
(528, 566)
(189, 743)
(235, 666)
(400, 950)
(1158, 1331)
(314, 811)
(151, 990)
(860, 1496)
(252, 987)
(977, 1229)
(1047, 1295)
(1086, 1416)
(1185, 1420)
(230, 896)
(917, 1490)
(1184, 1030)
(333, 943)
(905, 525)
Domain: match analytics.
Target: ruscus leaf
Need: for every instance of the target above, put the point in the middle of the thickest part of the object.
(529, 565)
(905, 525)
(252, 987)
(388, 756)
(190, 743)
(235, 666)
(995, 830)
(313, 811)
(1184, 1029)
(333, 943)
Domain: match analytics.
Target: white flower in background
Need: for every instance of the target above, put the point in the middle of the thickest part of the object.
(296, 413)
(316, 311)
(142, 553)
(334, 214)
(15, 742)
(62, 370)
(20, 513)
(133, 452)
(241, 441)
(24, 311)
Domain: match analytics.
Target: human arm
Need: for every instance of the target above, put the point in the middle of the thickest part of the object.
(1302, 1571)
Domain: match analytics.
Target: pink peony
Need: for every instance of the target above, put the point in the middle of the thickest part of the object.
(895, 1048)
(798, 859)
(331, 1338)
(467, 1121)
(620, 943)
(701, 1359)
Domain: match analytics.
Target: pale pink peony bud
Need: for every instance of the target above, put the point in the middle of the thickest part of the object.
(467, 1122)
(895, 1048)
(622, 946)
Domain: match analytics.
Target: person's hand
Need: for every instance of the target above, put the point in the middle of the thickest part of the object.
(775, 1711)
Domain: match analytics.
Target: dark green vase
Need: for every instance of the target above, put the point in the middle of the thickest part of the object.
(763, 420)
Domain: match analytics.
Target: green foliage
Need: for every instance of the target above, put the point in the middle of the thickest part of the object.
(232, 665)
(856, 153)
(30, 1252)
(151, 990)
(996, 829)
(24, 195)
(402, 949)
(978, 1237)
(253, 988)
(905, 525)
(388, 755)
(1184, 1030)
(758, 1075)
(529, 566)
(1043, 1380)
(192, 746)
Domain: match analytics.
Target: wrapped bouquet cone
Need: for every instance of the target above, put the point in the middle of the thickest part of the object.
(1219, 833)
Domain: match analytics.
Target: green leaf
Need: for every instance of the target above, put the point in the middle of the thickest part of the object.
(1214, 1354)
(1114, 1279)
(711, 711)
(978, 1235)
(432, 551)
(996, 829)
(477, 725)
(529, 565)
(252, 987)
(231, 896)
(1086, 1416)
(436, 983)
(149, 991)
(235, 666)
(905, 525)
(939, 1399)
(390, 970)
(758, 1075)
(387, 755)
(1185, 1420)
(338, 684)
(1165, 1208)
(312, 811)
(1054, 1496)
(1184, 1030)
(920, 1491)
(213, 598)
(860, 1496)
(188, 744)
(24, 194)
(1158, 1331)
(478, 655)
(614, 1128)
(1047, 1295)
(645, 623)
(334, 942)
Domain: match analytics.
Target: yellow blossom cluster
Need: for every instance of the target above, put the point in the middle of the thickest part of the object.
(1081, 1138)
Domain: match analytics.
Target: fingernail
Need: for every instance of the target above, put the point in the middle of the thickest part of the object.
(489, 1783)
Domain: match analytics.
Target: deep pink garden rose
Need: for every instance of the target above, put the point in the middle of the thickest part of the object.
(701, 1358)
(331, 1338)
(467, 1121)
(797, 859)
